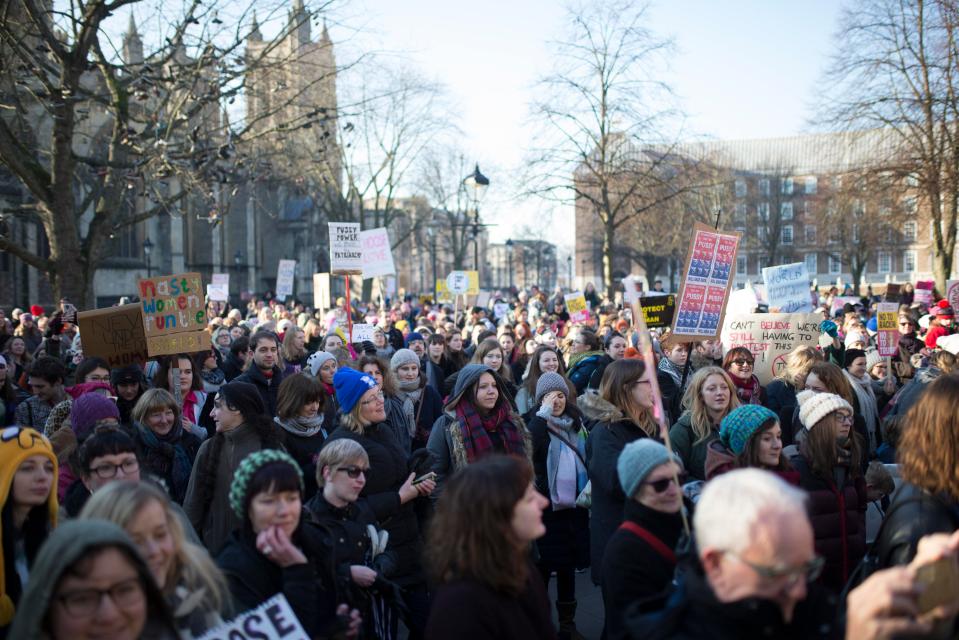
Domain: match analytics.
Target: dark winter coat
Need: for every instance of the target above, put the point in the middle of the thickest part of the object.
(838, 517)
(672, 394)
(388, 471)
(781, 400)
(633, 571)
(427, 411)
(306, 451)
(267, 388)
(253, 578)
(913, 514)
(607, 439)
(468, 610)
(159, 460)
(691, 452)
(597, 375)
(232, 367)
(912, 391)
(582, 370)
(566, 542)
(692, 612)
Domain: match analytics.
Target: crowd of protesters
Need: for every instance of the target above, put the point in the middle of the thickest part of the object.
(442, 475)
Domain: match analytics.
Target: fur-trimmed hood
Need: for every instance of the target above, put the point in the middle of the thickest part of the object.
(597, 409)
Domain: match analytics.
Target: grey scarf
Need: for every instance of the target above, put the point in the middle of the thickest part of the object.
(303, 427)
(410, 393)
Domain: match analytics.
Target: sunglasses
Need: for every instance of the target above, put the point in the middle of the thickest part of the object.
(354, 472)
(659, 486)
(742, 362)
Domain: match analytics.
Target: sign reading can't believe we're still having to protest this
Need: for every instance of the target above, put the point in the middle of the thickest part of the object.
(174, 317)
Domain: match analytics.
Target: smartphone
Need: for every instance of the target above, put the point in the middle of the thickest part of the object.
(69, 312)
(941, 579)
(423, 478)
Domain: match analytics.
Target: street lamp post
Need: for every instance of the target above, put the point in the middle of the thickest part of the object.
(509, 261)
(478, 183)
(432, 235)
(237, 260)
(569, 270)
(147, 250)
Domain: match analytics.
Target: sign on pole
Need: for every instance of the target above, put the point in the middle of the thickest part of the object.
(218, 292)
(443, 294)
(887, 320)
(457, 282)
(632, 289)
(272, 620)
(285, 271)
(952, 293)
(114, 334)
(770, 337)
(576, 307)
(346, 252)
(923, 292)
(376, 254)
(707, 277)
(174, 317)
(787, 288)
(362, 332)
(658, 311)
(473, 288)
(321, 291)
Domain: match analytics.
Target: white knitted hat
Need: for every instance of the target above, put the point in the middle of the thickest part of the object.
(813, 406)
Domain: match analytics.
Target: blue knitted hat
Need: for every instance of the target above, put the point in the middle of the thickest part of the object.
(413, 337)
(742, 422)
(638, 460)
(349, 386)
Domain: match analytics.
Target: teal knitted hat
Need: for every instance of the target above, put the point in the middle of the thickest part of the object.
(742, 422)
(248, 468)
(637, 461)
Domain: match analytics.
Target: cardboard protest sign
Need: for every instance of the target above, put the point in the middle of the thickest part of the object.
(923, 292)
(285, 271)
(218, 292)
(707, 278)
(362, 332)
(458, 283)
(443, 294)
(473, 288)
(952, 293)
(787, 287)
(272, 620)
(321, 291)
(114, 334)
(770, 337)
(658, 310)
(887, 320)
(346, 252)
(576, 307)
(742, 301)
(376, 254)
(893, 292)
(174, 317)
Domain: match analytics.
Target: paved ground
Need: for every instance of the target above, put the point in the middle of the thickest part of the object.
(589, 612)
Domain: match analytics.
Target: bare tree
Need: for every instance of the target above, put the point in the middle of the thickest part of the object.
(895, 68)
(441, 180)
(601, 110)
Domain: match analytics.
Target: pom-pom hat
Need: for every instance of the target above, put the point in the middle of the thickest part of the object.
(248, 468)
(350, 385)
(813, 406)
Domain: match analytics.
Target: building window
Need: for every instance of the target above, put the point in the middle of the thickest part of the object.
(909, 231)
(742, 265)
(810, 234)
(855, 233)
(859, 209)
(764, 187)
(812, 184)
(762, 233)
(740, 188)
(884, 262)
(912, 180)
(909, 205)
(835, 264)
(761, 263)
(812, 263)
(787, 234)
(807, 208)
(909, 261)
(786, 210)
(763, 211)
(787, 186)
(741, 211)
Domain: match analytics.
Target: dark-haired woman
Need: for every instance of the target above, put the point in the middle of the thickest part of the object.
(299, 408)
(478, 555)
(614, 348)
(750, 436)
(241, 428)
(106, 456)
(740, 364)
(28, 469)
(10, 394)
(196, 403)
(559, 461)
(545, 359)
(273, 549)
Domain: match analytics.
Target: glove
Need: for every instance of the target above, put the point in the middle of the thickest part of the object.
(421, 461)
(368, 348)
(54, 325)
(829, 327)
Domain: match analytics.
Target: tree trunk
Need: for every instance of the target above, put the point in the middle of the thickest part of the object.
(609, 247)
(71, 279)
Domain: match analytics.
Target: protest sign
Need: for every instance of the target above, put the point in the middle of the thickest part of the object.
(707, 278)
(272, 620)
(114, 334)
(923, 292)
(841, 301)
(174, 317)
(321, 291)
(285, 271)
(458, 282)
(893, 292)
(632, 289)
(482, 299)
(500, 310)
(443, 293)
(362, 332)
(658, 310)
(952, 293)
(218, 292)
(473, 287)
(346, 252)
(770, 337)
(221, 278)
(887, 320)
(576, 307)
(787, 287)
(742, 301)
(376, 254)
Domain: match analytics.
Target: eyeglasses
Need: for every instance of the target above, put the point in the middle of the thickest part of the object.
(85, 602)
(2, 366)
(743, 362)
(354, 472)
(94, 378)
(659, 486)
(107, 470)
(378, 398)
(845, 418)
(809, 570)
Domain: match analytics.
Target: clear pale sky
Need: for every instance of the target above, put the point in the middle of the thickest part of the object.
(743, 69)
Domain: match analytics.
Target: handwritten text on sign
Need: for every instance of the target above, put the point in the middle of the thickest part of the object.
(377, 256)
(272, 620)
(114, 334)
(770, 337)
(172, 304)
(576, 306)
(787, 287)
(346, 254)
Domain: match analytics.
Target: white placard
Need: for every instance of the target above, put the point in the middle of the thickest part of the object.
(218, 292)
(458, 282)
(500, 310)
(362, 332)
(346, 252)
(284, 278)
(376, 253)
(321, 291)
(787, 288)
(221, 278)
(272, 620)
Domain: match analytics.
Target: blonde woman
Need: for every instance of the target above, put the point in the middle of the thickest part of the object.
(710, 397)
(193, 586)
(790, 380)
(294, 351)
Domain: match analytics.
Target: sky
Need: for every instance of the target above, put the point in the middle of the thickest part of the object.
(742, 69)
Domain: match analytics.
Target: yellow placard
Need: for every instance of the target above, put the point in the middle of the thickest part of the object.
(474, 283)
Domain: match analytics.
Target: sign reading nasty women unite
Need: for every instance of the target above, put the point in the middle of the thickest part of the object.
(174, 316)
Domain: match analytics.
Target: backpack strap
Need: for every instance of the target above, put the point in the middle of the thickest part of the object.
(658, 545)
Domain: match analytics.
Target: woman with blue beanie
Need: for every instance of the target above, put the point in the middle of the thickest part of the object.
(640, 557)
(389, 484)
(750, 436)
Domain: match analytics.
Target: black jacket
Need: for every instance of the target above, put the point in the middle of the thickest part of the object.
(267, 388)
(913, 514)
(634, 573)
(389, 469)
(781, 400)
(232, 367)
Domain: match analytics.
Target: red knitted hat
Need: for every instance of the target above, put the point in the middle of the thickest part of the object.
(943, 310)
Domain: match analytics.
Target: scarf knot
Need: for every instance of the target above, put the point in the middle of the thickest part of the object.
(477, 430)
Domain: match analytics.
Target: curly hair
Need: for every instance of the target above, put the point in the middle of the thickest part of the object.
(928, 451)
(471, 535)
